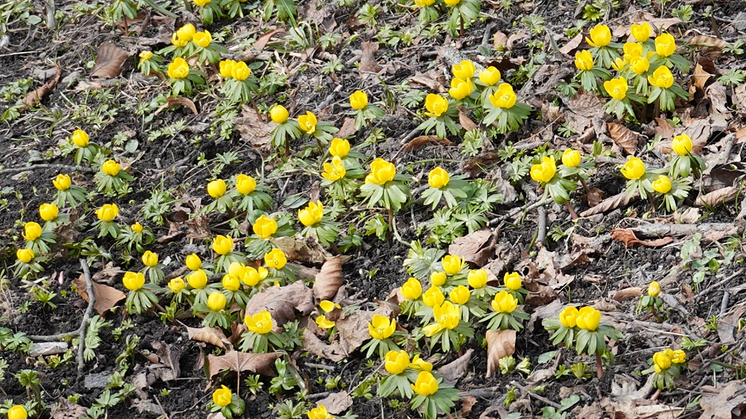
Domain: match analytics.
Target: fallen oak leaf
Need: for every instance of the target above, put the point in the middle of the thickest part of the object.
(719, 196)
(623, 137)
(109, 60)
(500, 343)
(329, 279)
(242, 362)
(710, 47)
(720, 402)
(368, 59)
(282, 302)
(627, 293)
(32, 99)
(106, 297)
(476, 248)
(610, 203)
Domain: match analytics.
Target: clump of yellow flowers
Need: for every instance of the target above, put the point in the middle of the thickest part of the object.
(667, 366)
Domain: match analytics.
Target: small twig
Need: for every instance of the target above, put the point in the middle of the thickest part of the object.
(87, 315)
(536, 396)
(52, 338)
(161, 406)
(45, 166)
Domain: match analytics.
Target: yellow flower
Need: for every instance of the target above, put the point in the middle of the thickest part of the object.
(252, 276)
(460, 295)
(504, 302)
(412, 289)
(661, 361)
(62, 182)
(438, 178)
(640, 31)
(339, 147)
(463, 71)
(381, 327)
(477, 278)
(308, 122)
(424, 3)
(504, 97)
(433, 297)
(236, 269)
(193, 262)
(275, 258)
(512, 281)
(222, 245)
(176, 41)
(17, 412)
(230, 282)
(436, 105)
(619, 64)
(245, 184)
(661, 77)
(682, 144)
(197, 279)
(616, 88)
(452, 2)
(359, 100)
(324, 323)
(678, 357)
(111, 168)
(178, 69)
(133, 281)
(654, 289)
(420, 364)
(176, 285)
(335, 170)
(396, 362)
(186, 32)
(438, 278)
(452, 264)
(216, 188)
(662, 185)
(545, 171)
(264, 227)
(136, 228)
(446, 315)
(222, 396)
(328, 306)
(202, 39)
(80, 138)
(107, 212)
(319, 412)
(600, 36)
(149, 258)
(25, 255)
(381, 171)
(216, 301)
(490, 76)
(571, 157)
(584, 60)
(201, 3)
(633, 169)
(588, 318)
(632, 49)
(260, 323)
(568, 316)
(240, 71)
(48, 212)
(279, 114)
(426, 384)
(460, 88)
(639, 65)
(312, 214)
(665, 45)
(226, 68)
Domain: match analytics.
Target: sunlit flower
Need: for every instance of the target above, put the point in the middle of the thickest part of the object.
(381, 171)
(584, 60)
(544, 172)
(80, 138)
(260, 323)
(222, 396)
(176, 285)
(412, 289)
(665, 45)
(275, 258)
(202, 39)
(216, 188)
(654, 289)
(438, 278)
(149, 258)
(446, 315)
(438, 178)
(634, 168)
(236, 269)
(600, 36)
(512, 281)
(452, 264)
(133, 281)
(186, 32)
(251, 276)
(107, 212)
(661, 361)
(460, 88)
(460, 295)
(632, 49)
(324, 323)
(178, 69)
(230, 282)
(426, 384)
(619, 63)
(571, 157)
(504, 302)
(48, 212)
(264, 227)
(661, 77)
(17, 412)
(335, 170)
(639, 65)
(359, 100)
(193, 262)
(216, 301)
(201, 3)
(504, 97)
(452, 2)
(678, 357)
(662, 185)
(307, 122)
(396, 362)
(641, 31)
(568, 316)
(433, 297)
(136, 228)
(682, 144)
(381, 327)
(245, 184)
(319, 412)
(419, 364)
(312, 214)
(62, 182)
(436, 105)
(339, 147)
(111, 168)
(222, 245)
(328, 306)
(25, 255)
(588, 318)
(464, 71)
(240, 71)
(490, 76)
(477, 278)
(616, 88)
(178, 42)
(197, 279)
(279, 114)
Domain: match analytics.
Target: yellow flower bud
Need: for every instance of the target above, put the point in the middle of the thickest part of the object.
(662, 185)
(617, 88)
(201, 3)
(216, 188)
(149, 258)
(477, 278)
(133, 281)
(633, 169)
(639, 65)
(312, 214)
(265, 227)
(600, 36)
(490, 76)
(464, 71)
(584, 60)
(433, 297)
(654, 289)
(48, 212)
(682, 144)
(460, 295)
(111, 168)
(396, 362)
(678, 357)
(641, 31)
(193, 262)
(438, 178)
(226, 68)
(512, 281)
(62, 182)
(412, 289)
(335, 170)
(424, 3)
(571, 157)
(319, 412)
(240, 71)
(339, 147)
(308, 122)
(25, 255)
(216, 301)
(186, 32)
(504, 302)
(202, 39)
(107, 212)
(245, 184)
(80, 138)
(418, 364)
(452, 2)
(438, 278)
(197, 279)
(662, 360)
(136, 228)
(504, 97)
(665, 45)
(178, 69)
(436, 105)
(17, 412)
(661, 77)
(452, 264)
(460, 89)
(381, 171)
(176, 41)
(230, 282)
(324, 323)
(632, 49)
(176, 285)
(222, 245)
(426, 384)
(544, 172)
(275, 258)
(588, 318)
(568, 316)
(447, 315)
(252, 276)
(279, 114)
(359, 100)
(31, 231)
(222, 396)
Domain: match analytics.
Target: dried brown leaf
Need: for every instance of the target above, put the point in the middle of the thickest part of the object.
(336, 403)
(741, 133)
(305, 250)
(282, 302)
(627, 293)
(353, 332)
(718, 98)
(211, 335)
(429, 80)
(67, 410)
(467, 404)
(253, 127)
(541, 297)
(106, 297)
(711, 47)
(739, 98)
(664, 128)
(109, 59)
(476, 247)
(465, 121)
(178, 101)
(243, 362)
(500, 343)
(703, 71)
(499, 41)
(572, 44)
(722, 401)
(455, 370)
(262, 41)
(329, 279)
(168, 369)
(33, 98)
(368, 61)
(423, 140)
(516, 38)
(628, 237)
(610, 203)
(624, 137)
(717, 197)
(348, 128)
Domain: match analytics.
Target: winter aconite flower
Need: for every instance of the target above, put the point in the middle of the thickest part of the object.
(324, 323)
(226, 68)
(203, 39)
(438, 178)
(222, 396)
(396, 362)
(426, 384)
(260, 323)
(460, 88)
(222, 245)
(31, 231)
(381, 171)
(682, 144)
(176, 285)
(584, 60)
(678, 357)
(568, 317)
(193, 262)
(640, 31)
(600, 36)
(216, 301)
(424, 3)
(662, 185)
(639, 65)
(359, 100)
(25, 255)
(264, 227)
(631, 50)
(665, 45)
(197, 279)
(48, 212)
(504, 97)
(504, 302)
(111, 168)
(512, 281)
(308, 122)
(149, 258)
(588, 318)
(312, 214)
(17, 412)
(137, 227)
(62, 182)
(616, 88)
(279, 114)
(412, 289)
(216, 188)
(477, 279)
(335, 170)
(133, 281)
(186, 32)
(654, 289)
(80, 138)
(240, 71)
(571, 157)
(319, 412)
(275, 258)
(452, 264)
(446, 315)
(438, 278)
(661, 77)
(381, 327)
(544, 172)
(490, 76)
(436, 105)
(201, 3)
(661, 361)
(245, 184)
(178, 69)
(178, 42)
(433, 297)
(460, 295)
(107, 212)
(633, 169)
(464, 71)
(339, 147)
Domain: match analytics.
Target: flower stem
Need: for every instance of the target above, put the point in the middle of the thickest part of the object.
(571, 210)
(599, 366)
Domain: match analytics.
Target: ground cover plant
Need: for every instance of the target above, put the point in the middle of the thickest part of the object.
(363, 209)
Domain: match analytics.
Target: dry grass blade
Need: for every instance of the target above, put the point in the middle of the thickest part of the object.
(500, 343)
(624, 137)
(32, 99)
(211, 335)
(109, 59)
(106, 297)
(329, 279)
(243, 362)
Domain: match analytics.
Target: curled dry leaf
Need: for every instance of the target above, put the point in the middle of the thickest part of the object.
(423, 140)
(624, 137)
(719, 196)
(476, 248)
(610, 203)
(466, 405)
(628, 237)
(329, 279)
(499, 41)
(500, 343)
(368, 60)
(282, 302)
(711, 47)
(106, 297)
(33, 98)
(336, 403)
(572, 44)
(627, 294)
(348, 128)
(109, 59)
(720, 402)
(453, 371)
(253, 128)
(465, 121)
(241, 362)
(303, 250)
(703, 71)
(67, 410)
(178, 101)
(211, 335)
